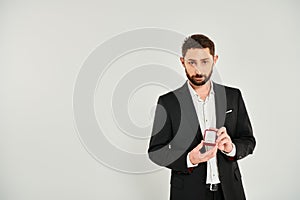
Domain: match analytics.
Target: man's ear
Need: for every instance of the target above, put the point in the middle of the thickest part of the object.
(182, 61)
(216, 57)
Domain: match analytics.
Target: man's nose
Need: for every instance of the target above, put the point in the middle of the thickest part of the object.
(197, 70)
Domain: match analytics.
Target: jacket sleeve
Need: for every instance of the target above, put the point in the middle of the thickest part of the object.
(245, 141)
(160, 149)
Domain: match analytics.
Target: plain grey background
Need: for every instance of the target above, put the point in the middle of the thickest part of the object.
(43, 45)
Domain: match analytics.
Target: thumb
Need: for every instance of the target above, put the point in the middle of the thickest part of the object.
(199, 146)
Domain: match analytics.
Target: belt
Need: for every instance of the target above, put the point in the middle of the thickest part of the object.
(213, 187)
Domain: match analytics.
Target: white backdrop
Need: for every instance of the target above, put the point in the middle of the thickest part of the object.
(44, 44)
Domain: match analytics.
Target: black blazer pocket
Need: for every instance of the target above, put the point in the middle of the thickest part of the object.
(177, 182)
(229, 114)
(237, 174)
(229, 111)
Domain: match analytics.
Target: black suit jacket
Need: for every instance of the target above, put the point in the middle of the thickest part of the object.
(176, 131)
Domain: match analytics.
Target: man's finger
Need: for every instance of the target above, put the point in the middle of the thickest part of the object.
(224, 140)
(221, 131)
(220, 137)
(199, 146)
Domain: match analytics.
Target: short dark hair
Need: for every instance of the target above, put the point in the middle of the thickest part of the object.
(198, 41)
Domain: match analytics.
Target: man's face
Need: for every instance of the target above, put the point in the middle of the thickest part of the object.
(198, 64)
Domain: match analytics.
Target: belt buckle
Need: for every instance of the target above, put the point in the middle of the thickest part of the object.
(213, 187)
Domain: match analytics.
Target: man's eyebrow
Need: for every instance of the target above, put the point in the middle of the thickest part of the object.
(205, 59)
(200, 59)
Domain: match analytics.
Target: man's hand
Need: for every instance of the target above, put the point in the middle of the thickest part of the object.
(224, 142)
(196, 157)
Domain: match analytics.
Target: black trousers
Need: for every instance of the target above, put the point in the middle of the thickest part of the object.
(218, 195)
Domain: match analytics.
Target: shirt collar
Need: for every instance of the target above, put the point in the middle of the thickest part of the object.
(194, 93)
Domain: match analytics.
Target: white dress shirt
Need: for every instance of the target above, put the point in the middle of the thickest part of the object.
(206, 113)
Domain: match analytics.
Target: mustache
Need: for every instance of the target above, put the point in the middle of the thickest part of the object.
(199, 76)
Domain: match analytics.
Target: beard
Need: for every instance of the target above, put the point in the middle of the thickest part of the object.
(193, 79)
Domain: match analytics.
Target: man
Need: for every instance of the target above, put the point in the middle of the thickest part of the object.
(181, 119)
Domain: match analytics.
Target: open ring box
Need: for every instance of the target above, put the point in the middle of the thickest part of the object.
(210, 137)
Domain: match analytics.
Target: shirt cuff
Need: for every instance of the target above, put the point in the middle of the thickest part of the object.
(189, 163)
(232, 153)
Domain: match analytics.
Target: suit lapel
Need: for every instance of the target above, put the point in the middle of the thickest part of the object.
(220, 104)
(188, 110)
